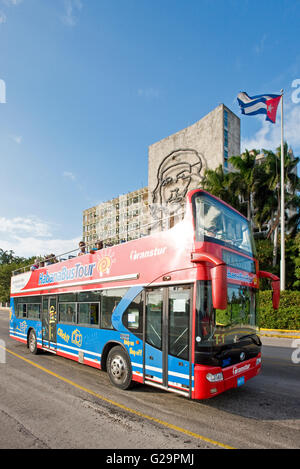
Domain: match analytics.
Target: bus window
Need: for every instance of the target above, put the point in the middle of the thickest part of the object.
(133, 316)
(216, 222)
(89, 297)
(88, 313)
(109, 301)
(179, 314)
(205, 313)
(67, 312)
(67, 298)
(33, 311)
(22, 310)
(154, 312)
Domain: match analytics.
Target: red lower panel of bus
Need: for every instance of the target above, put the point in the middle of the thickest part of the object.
(233, 377)
(74, 357)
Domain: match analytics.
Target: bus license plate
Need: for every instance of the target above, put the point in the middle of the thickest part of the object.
(241, 380)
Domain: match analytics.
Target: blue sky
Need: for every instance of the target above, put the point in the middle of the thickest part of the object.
(90, 84)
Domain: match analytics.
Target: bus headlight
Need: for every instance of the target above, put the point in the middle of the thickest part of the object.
(214, 378)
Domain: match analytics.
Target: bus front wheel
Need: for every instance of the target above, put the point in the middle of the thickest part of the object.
(119, 368)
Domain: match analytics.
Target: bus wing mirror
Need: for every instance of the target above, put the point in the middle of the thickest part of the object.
(276, 294)
(218, 275)
(219, 286)
(275, 283)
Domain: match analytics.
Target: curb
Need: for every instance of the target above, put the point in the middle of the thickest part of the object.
(283, 333)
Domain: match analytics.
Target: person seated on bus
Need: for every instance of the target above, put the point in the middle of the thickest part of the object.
(69, 314)
(53, 259)
(35, 266)
(82, 251)
(99, 246)
(48, 260)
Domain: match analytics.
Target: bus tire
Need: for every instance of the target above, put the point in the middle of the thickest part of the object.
(119, 368)
(32, 342)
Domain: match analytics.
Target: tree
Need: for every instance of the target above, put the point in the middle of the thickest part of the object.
(268, 202)
(253, 188)
(245, 180)
(219, 183)
(8, 263)
(296, 283)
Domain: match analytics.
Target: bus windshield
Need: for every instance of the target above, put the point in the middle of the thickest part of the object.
(216, 222)
(217, 327)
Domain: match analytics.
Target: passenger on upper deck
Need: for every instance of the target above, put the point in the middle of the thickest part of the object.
(36, 265)
(82, 248)
(99, 246)
(50, 259)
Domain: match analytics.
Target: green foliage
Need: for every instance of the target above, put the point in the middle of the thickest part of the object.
(7, 257)
(288, 314)
(253, 188)
(245, 180)
(264, 249)
(296, 283)
(219, 183)
(8, 263)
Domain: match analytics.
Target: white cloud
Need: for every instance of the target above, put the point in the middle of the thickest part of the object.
(12, 2)
(69, 175)
(8, 3)
(72, 8)
(17, 138)
(269, 135)
(259, 47)
(27, 247)
(28, 225)
(30, 236)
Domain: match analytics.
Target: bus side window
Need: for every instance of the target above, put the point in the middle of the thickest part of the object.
(67, 313)
(133, 316)
(109, 301)
(88, 314)
(22, 310)
(33, 311)
(16, 307)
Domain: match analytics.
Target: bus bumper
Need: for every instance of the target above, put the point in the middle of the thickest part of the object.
(211, 380)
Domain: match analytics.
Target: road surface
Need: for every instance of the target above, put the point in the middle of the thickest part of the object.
(51, 402)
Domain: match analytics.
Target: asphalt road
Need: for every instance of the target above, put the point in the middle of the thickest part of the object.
(62, 404)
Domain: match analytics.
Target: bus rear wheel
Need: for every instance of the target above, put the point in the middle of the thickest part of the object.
(32, 342)
(119, 368)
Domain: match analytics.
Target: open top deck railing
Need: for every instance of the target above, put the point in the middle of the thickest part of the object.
(157, 225)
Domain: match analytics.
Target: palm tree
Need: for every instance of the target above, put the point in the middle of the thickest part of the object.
(245, 180)
(268, 196)
(219, 183)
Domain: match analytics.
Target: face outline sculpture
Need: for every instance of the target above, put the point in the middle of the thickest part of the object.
(174, 176)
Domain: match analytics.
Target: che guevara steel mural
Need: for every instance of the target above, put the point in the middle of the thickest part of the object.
(177, 173)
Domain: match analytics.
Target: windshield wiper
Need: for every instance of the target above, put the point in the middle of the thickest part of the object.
(250, 336)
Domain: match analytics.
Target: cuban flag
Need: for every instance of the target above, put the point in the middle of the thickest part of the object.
(260, 104)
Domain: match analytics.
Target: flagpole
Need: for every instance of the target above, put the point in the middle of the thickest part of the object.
(282, 260)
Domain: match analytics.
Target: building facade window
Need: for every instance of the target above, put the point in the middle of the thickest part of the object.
(225, 119)
(226, 138)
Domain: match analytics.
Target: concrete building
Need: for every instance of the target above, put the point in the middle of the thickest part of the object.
(118, 220)
(176, 164)
(179, 161)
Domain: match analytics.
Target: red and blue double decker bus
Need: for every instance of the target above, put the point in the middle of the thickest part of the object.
(176, 309)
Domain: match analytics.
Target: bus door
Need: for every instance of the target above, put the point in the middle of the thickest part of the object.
(49, 322)
(167, 338)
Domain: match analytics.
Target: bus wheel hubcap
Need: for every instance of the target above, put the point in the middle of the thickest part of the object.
(118, 367)
(32, 342)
